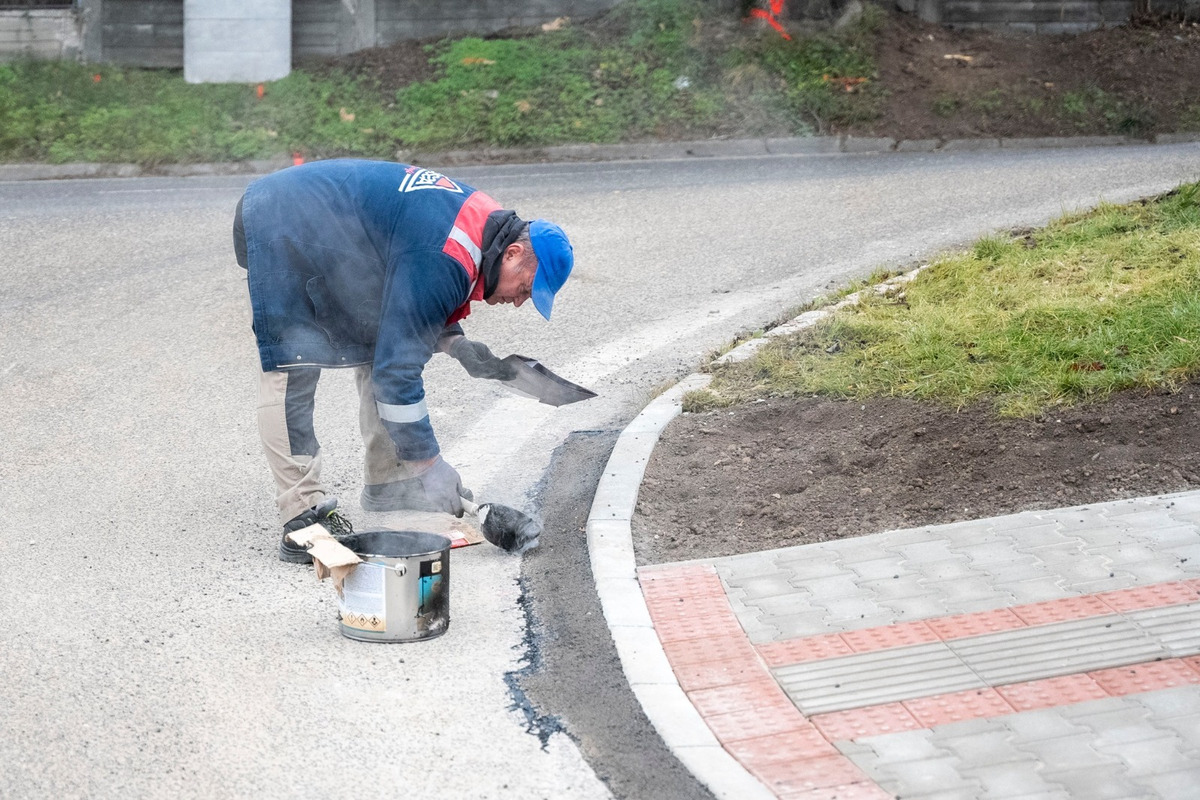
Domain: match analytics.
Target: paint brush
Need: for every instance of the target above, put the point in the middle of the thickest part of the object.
(505, 527)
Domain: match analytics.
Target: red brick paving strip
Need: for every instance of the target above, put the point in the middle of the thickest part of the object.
(961, 626)
(729, 684)
(728, 680)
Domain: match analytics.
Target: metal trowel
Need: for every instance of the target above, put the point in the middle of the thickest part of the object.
(534, 380)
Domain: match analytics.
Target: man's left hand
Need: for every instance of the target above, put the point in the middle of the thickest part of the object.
(479, 362)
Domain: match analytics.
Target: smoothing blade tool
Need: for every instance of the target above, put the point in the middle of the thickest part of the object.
(534, 380)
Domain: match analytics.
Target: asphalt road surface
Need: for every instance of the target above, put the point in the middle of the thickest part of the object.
(153, 645)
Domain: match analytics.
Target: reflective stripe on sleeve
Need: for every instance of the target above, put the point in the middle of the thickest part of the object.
(459, 235)
(414, 412)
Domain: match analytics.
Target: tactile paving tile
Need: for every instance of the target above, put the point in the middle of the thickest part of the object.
(1155, 596)
(958, 706)
(810, 648)
(1067, 608)
(799, 744)
(1051, 692)
(787, 779)
(753, 723)
(717, 673)
(1177, 627)
(875, 678)
(900, 635)
(1057, 649)
(683, 652)
(856, 723)
(755, 693)
(1137, 678)
(961, 626)
(865, 790)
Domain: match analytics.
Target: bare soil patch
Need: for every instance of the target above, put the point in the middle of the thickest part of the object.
(780, 472)
(1134, 79)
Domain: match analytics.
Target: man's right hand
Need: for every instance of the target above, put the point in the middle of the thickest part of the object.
(478, 360)
(442, 487)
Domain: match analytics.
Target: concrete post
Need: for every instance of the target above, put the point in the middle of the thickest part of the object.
(91, 15)
(232, 41)
(930, 10)
(360, 33)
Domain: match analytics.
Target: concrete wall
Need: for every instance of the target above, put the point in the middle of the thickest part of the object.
(139, 33)
(418, 19)
(234, 41)
(40, 33)
(1040, 16)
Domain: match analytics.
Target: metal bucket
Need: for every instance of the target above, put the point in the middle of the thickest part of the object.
(401, 591)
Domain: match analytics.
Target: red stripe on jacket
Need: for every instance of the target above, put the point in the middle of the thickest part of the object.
(470, 220)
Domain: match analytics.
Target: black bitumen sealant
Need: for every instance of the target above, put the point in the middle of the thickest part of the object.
(543, 726)
(571, 677)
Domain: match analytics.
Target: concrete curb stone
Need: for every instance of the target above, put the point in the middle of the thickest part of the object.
(705, 148)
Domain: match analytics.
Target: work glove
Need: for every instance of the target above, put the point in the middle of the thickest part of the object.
(442, 487)
(478, 360)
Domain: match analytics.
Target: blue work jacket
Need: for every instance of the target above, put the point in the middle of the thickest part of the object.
(364, 262)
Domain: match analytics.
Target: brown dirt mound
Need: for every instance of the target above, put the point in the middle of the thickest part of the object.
(786, 472)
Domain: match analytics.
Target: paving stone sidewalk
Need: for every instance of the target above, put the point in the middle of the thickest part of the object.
(1051, 654)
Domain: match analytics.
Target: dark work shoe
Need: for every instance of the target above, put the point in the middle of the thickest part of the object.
(325, 513)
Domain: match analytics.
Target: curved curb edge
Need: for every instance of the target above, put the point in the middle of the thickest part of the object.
(638, 151)
(614, 570)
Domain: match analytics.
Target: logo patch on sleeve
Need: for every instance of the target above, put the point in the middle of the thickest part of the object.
(417, 178)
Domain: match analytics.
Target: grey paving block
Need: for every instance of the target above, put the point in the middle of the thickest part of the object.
(1165, 704)
(1176, 627)
(965, 590)
(923, 552)
(1035, 538)
(1172, 786)
(901, 747)
(802, 565)
(1019, 779)
(769, 585)
(995, 552)
(992, 747)
(927, 778)
(874, 678)
(1037, 590)
(853, 613)
(1064, 754)
(947, 570)
(1154, 756)
(1057, 649)
(909, 584)
(832, 587)
(808, 623)
(918, 607)
(1096, 781)
(876, 569)
(1187, 729)
(1176, 535)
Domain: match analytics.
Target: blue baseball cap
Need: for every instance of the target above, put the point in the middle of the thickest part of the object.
(555, 258)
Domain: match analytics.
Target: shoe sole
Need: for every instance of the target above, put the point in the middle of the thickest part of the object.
(294, 556)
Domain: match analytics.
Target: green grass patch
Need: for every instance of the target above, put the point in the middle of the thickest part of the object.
(1091, 304)
(651, 68)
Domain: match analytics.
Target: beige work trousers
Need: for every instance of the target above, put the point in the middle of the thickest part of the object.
(285, 423)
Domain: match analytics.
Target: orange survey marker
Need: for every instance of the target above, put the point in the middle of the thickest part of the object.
(771, 16)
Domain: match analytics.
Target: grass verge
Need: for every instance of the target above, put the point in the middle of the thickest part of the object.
(1091, 304)
(650, 68)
